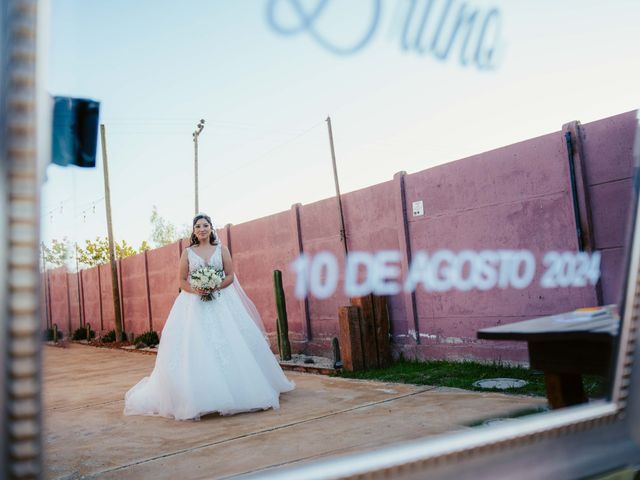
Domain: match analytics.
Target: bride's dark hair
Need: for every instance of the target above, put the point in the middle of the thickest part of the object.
(213, 238)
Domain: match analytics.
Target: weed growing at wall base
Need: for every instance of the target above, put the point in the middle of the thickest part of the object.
(81, 334)
(150, 339)
(110, 336)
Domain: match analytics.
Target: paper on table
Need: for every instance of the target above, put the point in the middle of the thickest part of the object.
(583, 315)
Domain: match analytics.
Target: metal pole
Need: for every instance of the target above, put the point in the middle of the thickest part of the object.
(343, 232)
(112, 254)
(196, 134)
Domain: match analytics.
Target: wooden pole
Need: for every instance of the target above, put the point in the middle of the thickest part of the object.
(100, 300)
(146, 282)
(66, 277)
(49, 299)
(112, 254)
(123, 317)
(343, 232)
(84, 313)
(80, 319)
(44, 279)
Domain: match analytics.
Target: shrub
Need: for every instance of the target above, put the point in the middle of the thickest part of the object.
(110, 336)
(81, 334)
(47, 335)
(149, 338)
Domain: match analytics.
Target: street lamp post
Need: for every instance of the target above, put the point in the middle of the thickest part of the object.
(196, 134)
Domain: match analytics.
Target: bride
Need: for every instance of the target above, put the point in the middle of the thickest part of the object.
(212, 356)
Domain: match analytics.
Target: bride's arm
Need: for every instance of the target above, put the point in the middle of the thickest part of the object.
(184, 274)
(227, 264)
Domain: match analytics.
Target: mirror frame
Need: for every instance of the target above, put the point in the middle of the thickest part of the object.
(20, 402)
(574, 442)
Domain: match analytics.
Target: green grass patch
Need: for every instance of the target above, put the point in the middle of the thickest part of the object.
(442, 373)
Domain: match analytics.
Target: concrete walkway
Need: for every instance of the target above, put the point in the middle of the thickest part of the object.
(86, 435)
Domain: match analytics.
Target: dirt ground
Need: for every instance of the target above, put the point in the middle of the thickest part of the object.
(86, 435)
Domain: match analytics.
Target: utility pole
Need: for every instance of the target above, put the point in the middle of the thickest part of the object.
(112, 253)
(79, 289)
(196, 134)
(46, 291)
(343, 232)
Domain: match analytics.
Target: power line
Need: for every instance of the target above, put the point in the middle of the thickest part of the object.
(83, 209)
(138, 121)
(265, 154)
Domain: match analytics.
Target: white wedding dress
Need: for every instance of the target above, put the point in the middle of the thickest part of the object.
(212, 357)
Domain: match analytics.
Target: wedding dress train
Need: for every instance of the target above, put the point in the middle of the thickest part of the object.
(212, 357)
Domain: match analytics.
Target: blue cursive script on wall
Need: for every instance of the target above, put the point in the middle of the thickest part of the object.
(307, 20)
(438, 28)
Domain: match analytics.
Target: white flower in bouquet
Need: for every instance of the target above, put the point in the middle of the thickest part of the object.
(208, 279)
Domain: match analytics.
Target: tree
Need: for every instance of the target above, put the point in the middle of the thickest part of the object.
(58, 253)
(124, 250)
(94, 253)
(97, 252)
(164, 232)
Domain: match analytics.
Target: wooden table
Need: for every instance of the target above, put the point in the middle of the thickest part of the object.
(565, 347)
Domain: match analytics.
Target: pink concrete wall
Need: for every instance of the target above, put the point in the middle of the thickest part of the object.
(91, 298)
(163, 282)
(258, 248)
(320, 229)
(516, 197)
(75, 305)
(134, 294)
(59, 300)
(608, 145)
(371, 223)
(107, 297)
(44, 299)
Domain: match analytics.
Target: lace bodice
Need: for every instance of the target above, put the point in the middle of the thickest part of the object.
(196, 261)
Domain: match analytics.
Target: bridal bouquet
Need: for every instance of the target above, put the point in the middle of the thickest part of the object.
(206, 278)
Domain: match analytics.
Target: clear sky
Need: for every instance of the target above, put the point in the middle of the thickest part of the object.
(160, 66)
